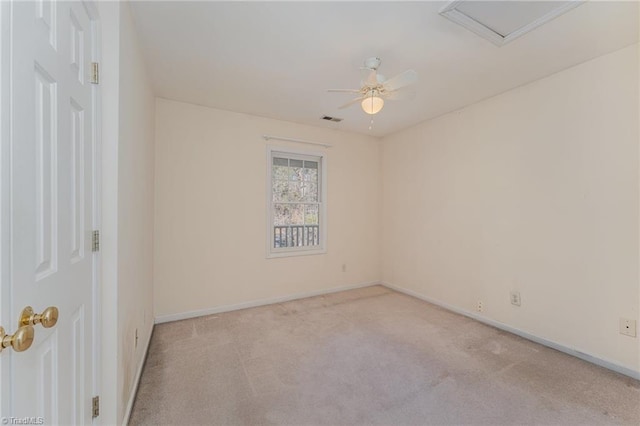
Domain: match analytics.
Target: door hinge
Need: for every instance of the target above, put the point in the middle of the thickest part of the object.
(95, 241)
(95, 407)
(95, 73)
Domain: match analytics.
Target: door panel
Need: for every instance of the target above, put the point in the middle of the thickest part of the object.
(50, 207)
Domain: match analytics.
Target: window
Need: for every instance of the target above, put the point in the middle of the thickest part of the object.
(296, 203)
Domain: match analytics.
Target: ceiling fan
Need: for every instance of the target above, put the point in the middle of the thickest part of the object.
(375, 88)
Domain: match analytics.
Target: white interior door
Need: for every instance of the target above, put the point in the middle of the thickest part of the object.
(48, 189)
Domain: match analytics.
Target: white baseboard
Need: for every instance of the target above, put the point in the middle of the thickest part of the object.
(254, 303)
(551, 344)
(136, 382)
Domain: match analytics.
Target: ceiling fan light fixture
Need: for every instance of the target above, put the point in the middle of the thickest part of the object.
(372, 104)
(374, 88)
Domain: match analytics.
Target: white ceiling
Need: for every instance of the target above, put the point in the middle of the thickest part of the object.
(275, 59)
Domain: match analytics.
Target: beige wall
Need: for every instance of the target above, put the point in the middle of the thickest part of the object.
(210, 211)
(535, 190)
(135, 209)
(128, 108)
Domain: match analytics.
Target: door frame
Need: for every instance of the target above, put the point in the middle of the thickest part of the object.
(5, 199)
(92, 11)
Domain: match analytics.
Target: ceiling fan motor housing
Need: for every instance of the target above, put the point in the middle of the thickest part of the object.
(372, 63)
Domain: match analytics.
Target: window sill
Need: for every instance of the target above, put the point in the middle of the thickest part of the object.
(294, 253)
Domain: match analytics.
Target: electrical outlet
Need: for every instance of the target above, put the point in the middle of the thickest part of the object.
(480, 306)
(344, 267)
(515, 298)
(628, 327)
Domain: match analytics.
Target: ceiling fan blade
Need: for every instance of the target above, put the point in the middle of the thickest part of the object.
(371, 78)
(344, 90)
(351, 102)
(399, 95)
(401, 80)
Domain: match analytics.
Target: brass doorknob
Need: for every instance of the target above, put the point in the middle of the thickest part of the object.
(48, 318)
(20, 341)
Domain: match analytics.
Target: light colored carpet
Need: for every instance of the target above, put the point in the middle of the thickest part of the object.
(368, 357)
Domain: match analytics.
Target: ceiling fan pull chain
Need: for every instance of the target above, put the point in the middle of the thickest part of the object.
(371, 124)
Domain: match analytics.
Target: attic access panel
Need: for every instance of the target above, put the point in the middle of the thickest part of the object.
(503, 21)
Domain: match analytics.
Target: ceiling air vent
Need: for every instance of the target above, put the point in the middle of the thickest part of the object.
(329, 118)
(503, 21)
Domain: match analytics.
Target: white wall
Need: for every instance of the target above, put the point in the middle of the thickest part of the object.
(128, 108)
(210, 211)
(535, 190)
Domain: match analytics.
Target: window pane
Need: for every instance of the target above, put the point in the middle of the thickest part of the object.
(280, 161)
(280, 173)
(311, 192)
(296, 191)
(297, 214)
(311, 165)
(296, 169)
(281, 214)
(280, 236)
(280, 190)
(310, 175)
(311, 214)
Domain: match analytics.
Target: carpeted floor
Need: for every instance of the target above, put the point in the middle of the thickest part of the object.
(370, 356)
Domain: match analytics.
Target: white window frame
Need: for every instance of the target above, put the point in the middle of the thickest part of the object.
(273, 252)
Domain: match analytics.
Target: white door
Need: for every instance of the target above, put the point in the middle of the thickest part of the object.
(48, 207)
